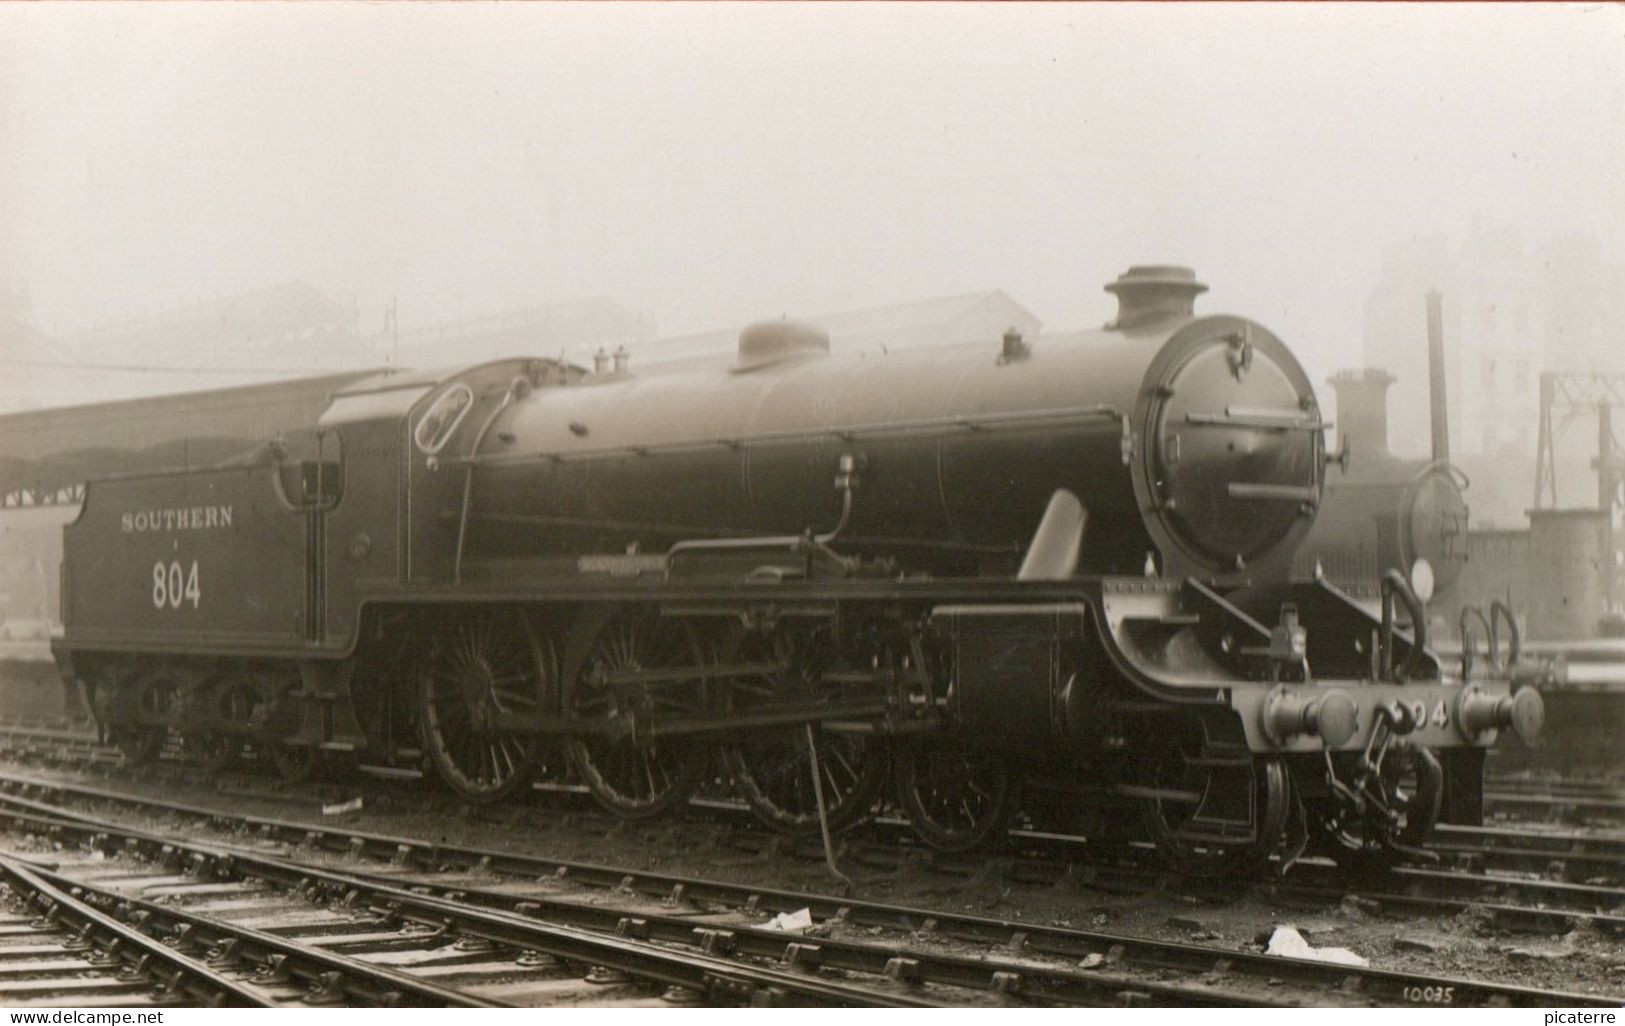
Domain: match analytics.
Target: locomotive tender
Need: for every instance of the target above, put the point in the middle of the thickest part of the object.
(1061, 560)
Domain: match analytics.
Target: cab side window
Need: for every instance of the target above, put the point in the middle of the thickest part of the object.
(437, 426)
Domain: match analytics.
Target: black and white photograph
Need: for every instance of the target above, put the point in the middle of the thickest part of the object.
(667, 505)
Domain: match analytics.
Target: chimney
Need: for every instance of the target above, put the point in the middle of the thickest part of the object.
(1149, 293)
(1436, 405)
(1362, 412)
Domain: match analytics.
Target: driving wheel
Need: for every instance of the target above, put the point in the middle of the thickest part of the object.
(773, 767)
(476, 669)
(638, 672)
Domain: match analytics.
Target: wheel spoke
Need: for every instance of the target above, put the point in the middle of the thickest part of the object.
(649, 773)
(954, 801)
(630, 779)
(482, 664)
(839, 758)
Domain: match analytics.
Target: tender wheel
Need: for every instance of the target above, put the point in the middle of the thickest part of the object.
(631, 778)
(1211, 816)
(142, 744)
(773, 769)
(485, 664)
(294, 763)
(155, 696)
(213, 752)
(270, 716)
(956, 799)
(231, 702)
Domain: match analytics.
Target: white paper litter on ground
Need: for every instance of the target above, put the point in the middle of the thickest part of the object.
(353, 805)
(799, 921)
(1289, 943)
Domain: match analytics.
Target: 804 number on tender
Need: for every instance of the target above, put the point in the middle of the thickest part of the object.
(174, 584)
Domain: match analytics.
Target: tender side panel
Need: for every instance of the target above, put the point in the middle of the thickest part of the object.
(195, 560)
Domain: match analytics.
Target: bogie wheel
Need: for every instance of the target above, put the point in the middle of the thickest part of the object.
(1212, 816)
(476, 667)
(631, 777)
(1410, 785)
(773, 768)
(956, 799)
(155, 695)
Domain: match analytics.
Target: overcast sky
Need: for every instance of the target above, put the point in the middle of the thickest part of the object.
(713, 164)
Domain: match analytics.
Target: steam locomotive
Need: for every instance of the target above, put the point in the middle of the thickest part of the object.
(943, 572)
(1384, 510)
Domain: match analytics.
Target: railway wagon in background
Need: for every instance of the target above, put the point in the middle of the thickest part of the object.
(938, 573)
(30, 558)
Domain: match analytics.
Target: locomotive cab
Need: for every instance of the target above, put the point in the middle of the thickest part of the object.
(408, 437)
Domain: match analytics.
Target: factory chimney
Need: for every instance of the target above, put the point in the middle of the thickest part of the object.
(1436, 405)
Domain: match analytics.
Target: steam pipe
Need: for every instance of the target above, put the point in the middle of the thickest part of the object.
(1395, 584)
(517, 389)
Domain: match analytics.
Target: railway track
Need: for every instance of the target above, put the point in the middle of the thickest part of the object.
(1569, 856)
(209, 957)
(1521, 903)
(304, 938)
(58, 949)
(1600, 803)
(1525, 880)
(1581, 786)
(1564, 855)
(65, 742)
(689, 912)
(626, 936)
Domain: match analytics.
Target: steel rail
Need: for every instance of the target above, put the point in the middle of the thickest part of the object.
(1568, 865)
(1545, 901)
(1554, 897)
(1556, 845)
(702, 971)
(1561, 788)
(1006, 977)
(1518, 849)
(450, 905)
(308, 963)
(128, 944)
(1371, 984)
(1606, 803)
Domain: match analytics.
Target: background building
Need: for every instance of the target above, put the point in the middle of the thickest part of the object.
(1509, 312)
(576, 328)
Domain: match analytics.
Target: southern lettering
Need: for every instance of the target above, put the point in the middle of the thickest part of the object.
(186, 518)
